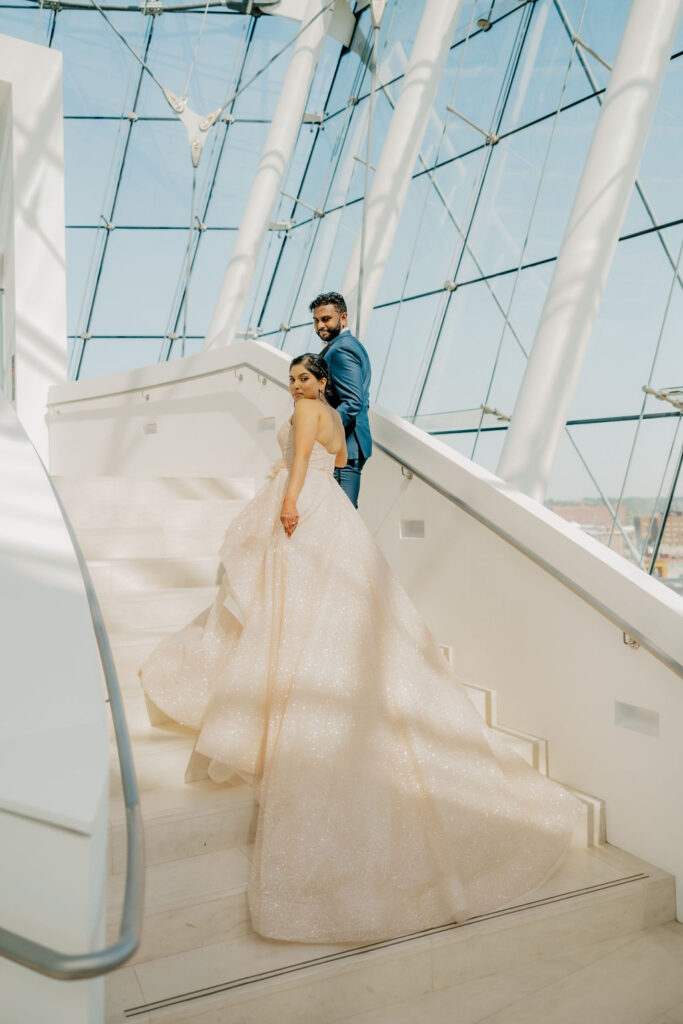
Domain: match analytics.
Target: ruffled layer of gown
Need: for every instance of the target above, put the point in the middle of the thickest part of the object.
(386, 805)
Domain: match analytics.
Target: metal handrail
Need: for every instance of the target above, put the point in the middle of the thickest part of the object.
(72, 966)
(626, 627)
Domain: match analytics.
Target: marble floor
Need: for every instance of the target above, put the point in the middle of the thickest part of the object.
(636, 979)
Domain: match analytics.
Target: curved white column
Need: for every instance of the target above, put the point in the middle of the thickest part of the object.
(268, 178)
(585, 256)
(399, 153)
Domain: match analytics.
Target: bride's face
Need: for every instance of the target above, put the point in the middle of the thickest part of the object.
(302, 383)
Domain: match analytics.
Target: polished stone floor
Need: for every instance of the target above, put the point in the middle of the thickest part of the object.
(637, 979)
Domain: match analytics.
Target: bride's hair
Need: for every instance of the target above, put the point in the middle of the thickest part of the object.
(316, 365)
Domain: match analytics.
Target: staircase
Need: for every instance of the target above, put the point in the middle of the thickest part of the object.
(152, 549)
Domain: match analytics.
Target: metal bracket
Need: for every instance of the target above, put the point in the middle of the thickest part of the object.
(630, 641)
(491, 139)
(407, 473)
(364, 162)
(285, 327)
(251, 334)
(281, 225)
(352, 101)
(579, 42)
(314, 209)
(109, 225)
(490, 411)
(674, 396)
(152, 7)
(312, 118)
(449, 286)
(132, 116)
(196, 125)
(377, 12)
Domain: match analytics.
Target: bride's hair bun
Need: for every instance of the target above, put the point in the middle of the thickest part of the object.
(316, 365)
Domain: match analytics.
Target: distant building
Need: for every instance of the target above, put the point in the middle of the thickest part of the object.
(596, 520)
(586, 514)
(647, 530)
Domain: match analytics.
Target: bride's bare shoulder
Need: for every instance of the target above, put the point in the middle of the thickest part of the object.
(305, 408)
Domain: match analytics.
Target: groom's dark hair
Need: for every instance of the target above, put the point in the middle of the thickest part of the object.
(329, 299)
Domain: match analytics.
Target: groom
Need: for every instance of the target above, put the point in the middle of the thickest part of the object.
(350, 371)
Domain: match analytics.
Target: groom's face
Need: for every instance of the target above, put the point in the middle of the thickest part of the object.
(328, 322)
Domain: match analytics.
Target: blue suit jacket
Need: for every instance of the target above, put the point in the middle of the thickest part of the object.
(350, 370)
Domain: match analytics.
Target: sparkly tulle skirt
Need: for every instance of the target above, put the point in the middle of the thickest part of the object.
(386, 805)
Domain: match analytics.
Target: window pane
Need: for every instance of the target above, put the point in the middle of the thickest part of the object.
(100, 73)
(113, 355)
(625, 335)
(140, 276)
(92, 153)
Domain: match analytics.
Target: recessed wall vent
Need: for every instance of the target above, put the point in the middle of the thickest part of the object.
(629, 716)
(412, 529)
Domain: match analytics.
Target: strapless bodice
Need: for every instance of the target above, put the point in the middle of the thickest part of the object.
(320, 457)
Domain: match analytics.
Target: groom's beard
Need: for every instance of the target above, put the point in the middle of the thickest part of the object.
(330, 335)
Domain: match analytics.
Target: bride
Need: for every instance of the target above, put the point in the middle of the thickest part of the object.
(386, 805)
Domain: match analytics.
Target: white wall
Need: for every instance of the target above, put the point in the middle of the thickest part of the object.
(54, 746)
(558, 665)
(32, 236)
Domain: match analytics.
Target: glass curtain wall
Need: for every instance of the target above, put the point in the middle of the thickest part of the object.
(148, 240)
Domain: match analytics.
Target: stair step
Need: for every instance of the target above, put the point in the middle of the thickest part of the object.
(85, 513)
(183, 820)
(147, 542)
(189, 819)
(124, 575)
(156, 609)
(596, 896)
(188, 903)
(149, 489)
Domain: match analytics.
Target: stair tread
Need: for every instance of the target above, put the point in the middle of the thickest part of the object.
(176, 883)
(586, 877)
(190, 879)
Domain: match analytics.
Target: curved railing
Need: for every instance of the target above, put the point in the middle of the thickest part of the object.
(71, 966)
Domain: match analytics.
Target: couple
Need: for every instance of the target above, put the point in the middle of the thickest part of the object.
(386, 805)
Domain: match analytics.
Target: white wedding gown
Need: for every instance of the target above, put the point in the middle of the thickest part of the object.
(386, 805)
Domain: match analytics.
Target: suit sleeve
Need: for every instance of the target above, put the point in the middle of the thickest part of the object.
(346, 370)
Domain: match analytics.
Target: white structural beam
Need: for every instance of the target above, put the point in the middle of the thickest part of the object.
(399, 155)
(268, 179)
(587, 250)
(32, 235)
